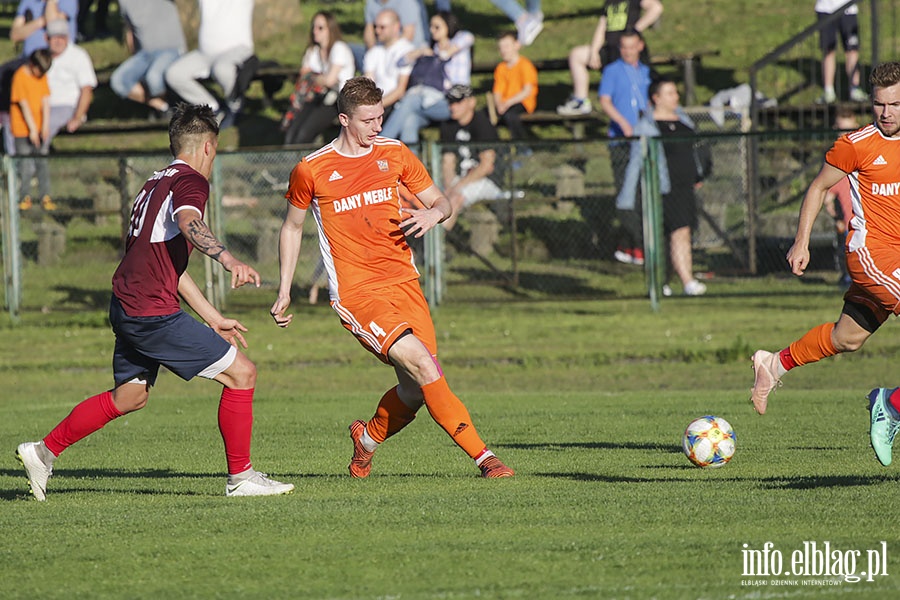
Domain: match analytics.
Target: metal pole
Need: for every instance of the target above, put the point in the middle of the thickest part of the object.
(434, 239)
(12, 253)
(215, 279)
(654, 243)
(875, 37)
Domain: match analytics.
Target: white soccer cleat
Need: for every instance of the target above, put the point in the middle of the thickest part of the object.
(765, 365)
(256, 484)
(37, 470)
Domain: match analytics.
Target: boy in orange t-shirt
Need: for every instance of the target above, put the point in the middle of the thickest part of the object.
(515, 85)
(29, 117)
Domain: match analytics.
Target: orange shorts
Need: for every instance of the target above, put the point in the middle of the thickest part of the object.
(380, 316)
(876, 280)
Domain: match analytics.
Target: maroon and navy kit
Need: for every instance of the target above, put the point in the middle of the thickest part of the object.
(156, 252)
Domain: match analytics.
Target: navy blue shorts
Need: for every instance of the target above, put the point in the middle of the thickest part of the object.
(178, 341)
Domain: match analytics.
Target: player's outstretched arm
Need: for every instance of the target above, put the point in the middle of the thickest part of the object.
(230, 329)
(438, 209)
(798, 255)
(288, 253)
(199, 234)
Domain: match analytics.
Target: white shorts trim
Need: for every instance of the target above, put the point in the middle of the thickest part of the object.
(220, 365)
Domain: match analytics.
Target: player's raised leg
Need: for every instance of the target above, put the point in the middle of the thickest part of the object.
(88, 416)
(443, 405)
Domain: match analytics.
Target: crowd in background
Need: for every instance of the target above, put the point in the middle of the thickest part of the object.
(422, 62)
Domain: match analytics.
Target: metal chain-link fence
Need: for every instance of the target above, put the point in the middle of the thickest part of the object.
(552, 233)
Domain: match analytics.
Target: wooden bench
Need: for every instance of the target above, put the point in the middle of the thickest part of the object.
(688, 61)
(273, 75)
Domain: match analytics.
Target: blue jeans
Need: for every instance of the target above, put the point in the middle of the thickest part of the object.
(148, 66)
(513, 10)
(410, 114)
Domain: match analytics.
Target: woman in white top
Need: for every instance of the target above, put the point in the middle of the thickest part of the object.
(424, 101)
(327, 65)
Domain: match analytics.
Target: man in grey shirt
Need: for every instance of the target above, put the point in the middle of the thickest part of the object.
(155, 39)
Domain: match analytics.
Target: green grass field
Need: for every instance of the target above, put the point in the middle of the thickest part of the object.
(586, 400)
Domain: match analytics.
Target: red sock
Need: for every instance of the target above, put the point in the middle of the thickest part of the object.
(87, 417)
(236, 426)
(787, 361)
(391, 416)
(894, 399)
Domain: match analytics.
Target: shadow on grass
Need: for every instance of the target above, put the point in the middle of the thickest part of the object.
(595, 446)
(772, 483)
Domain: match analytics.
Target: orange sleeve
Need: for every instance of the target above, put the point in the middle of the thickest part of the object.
(843, 155)
(414, 176)
(301, 189)
(17, 91)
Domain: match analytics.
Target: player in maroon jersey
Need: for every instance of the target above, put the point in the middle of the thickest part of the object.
(150, 326)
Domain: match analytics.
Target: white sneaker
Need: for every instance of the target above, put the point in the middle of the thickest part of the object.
(623, 257)
(827, 97)
(37, 470)
(574, 107)
(256, 484)
(767, 368)
(857, 95)
(667, 290)
(694, 288)
(529, 29)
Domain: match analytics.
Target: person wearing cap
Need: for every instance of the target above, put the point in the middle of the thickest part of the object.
(469, 178)
(72, 80)
(33, 16)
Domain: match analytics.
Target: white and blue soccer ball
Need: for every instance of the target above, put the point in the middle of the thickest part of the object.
(709, 441)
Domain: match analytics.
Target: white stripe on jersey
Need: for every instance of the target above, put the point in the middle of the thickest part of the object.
(164, 226)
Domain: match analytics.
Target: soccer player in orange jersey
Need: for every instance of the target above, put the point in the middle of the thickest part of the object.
(351, 187)
(870, 158)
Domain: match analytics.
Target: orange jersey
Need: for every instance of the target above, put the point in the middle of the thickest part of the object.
(356, 202)
(872, 162)
(510, 80)
(31, 90)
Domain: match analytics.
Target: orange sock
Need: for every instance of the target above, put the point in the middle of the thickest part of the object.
(450, 413)
(391, 416)
(814, 346)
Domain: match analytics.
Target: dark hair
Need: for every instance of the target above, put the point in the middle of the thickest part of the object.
(358, 91)
(885, 75)
(450, 20)
(334, 29)
(42, 59)
(190, 120)
(509, 33)
(655, 84)
(631, 32)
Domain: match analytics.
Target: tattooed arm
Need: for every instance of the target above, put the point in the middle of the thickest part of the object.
(199, 234)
